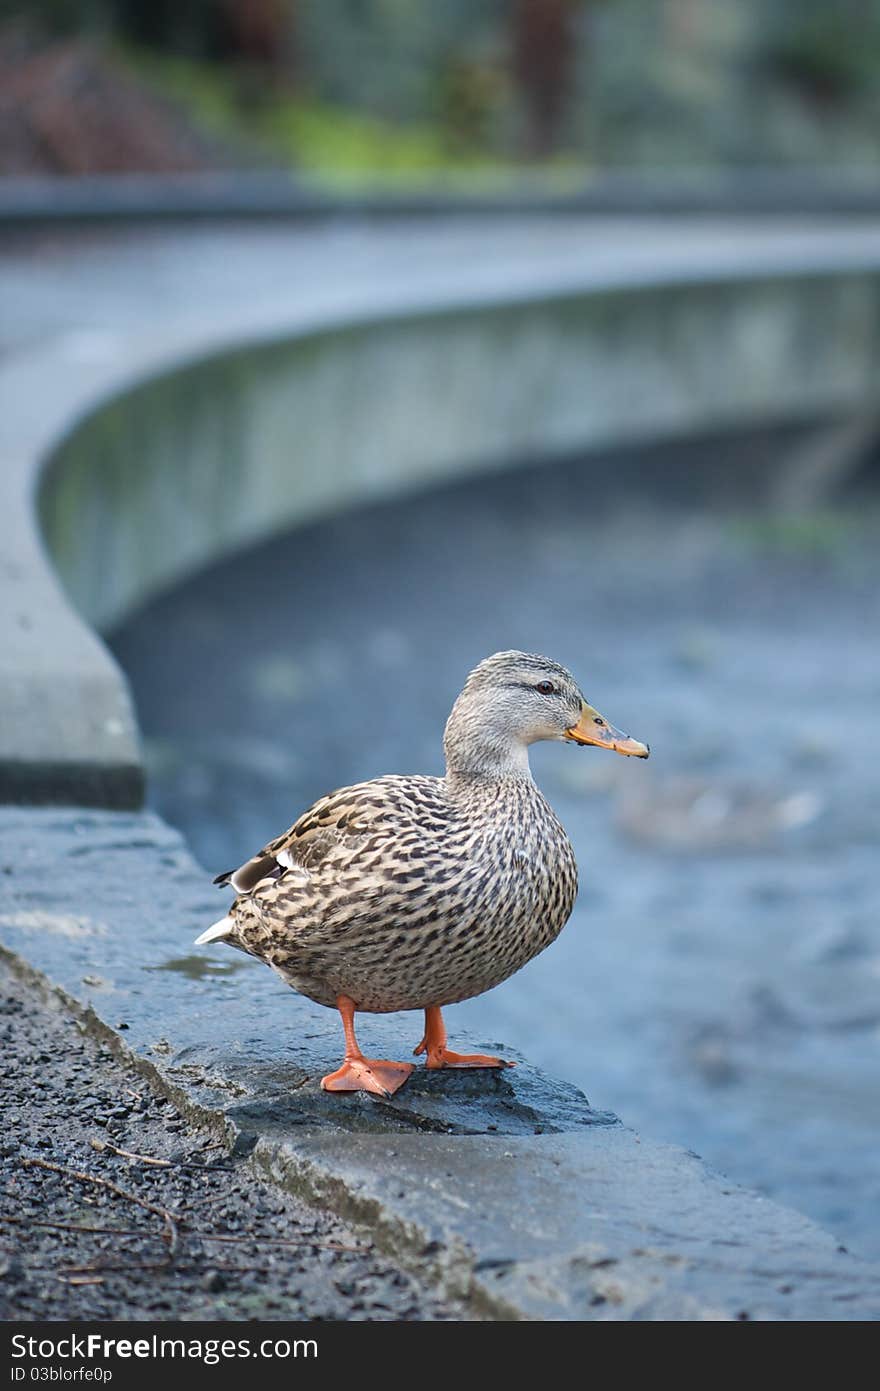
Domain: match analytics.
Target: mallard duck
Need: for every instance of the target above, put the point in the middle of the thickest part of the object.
(407, 893)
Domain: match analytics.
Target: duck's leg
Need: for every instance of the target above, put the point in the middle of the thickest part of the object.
(360, 1074)
(434, 1044)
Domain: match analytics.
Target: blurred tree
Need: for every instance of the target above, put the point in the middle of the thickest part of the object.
(258, 39)
(827, 53)
(193, 27)
(543, 42)
(260, 30)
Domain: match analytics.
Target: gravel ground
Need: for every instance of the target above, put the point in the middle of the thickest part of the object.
(78, 1250)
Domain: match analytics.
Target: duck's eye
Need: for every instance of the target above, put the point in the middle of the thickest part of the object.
(597, 719)
(546, 688)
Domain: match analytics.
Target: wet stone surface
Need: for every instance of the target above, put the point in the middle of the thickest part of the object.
(450, 1103)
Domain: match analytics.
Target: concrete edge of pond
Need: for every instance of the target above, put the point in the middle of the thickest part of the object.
(505, 1189)
(28, 201)
(91, 428)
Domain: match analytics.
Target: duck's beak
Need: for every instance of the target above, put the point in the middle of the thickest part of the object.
(593, 728)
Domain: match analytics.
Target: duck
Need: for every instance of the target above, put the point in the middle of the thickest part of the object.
(413, 892)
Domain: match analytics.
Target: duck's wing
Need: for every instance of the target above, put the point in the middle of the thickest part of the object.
(350, 815)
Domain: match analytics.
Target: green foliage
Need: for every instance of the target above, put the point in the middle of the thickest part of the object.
(311, 135)
(830, 53)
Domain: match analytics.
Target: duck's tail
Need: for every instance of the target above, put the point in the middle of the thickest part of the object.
(215, 932)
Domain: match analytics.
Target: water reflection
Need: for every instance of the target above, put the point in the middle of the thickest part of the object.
(198, 967)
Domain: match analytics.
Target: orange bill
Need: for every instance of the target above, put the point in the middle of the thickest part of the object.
(593, 728)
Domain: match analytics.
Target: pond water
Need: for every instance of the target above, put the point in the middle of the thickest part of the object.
(719, 982)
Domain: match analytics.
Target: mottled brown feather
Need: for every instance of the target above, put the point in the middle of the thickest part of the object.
(412, 891)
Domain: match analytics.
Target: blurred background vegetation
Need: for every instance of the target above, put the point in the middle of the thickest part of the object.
(400, 90)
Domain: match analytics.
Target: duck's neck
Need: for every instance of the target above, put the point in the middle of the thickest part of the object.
(475, 751)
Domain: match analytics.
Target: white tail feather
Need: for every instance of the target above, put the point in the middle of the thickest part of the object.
(218, 929)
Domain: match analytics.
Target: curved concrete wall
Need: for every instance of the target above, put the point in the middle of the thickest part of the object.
(182, 469)
(154, 460)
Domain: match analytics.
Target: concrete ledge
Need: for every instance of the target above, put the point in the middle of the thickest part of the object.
(245, 194)
(507, 1190)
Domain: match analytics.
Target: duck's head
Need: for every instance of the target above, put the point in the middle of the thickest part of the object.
(514, 699)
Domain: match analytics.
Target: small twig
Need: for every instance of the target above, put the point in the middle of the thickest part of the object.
(101, 1145)
(148, 1265)
(278, 1241)
(202, 1168)
(110, 1266)
(167, 1217)
(74, 1227)
(191, 1231)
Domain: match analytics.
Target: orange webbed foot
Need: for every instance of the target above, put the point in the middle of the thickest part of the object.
(446, 1058)
(360, 1074)
(434, 1044)
(441, 1056)
(377, 1075)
